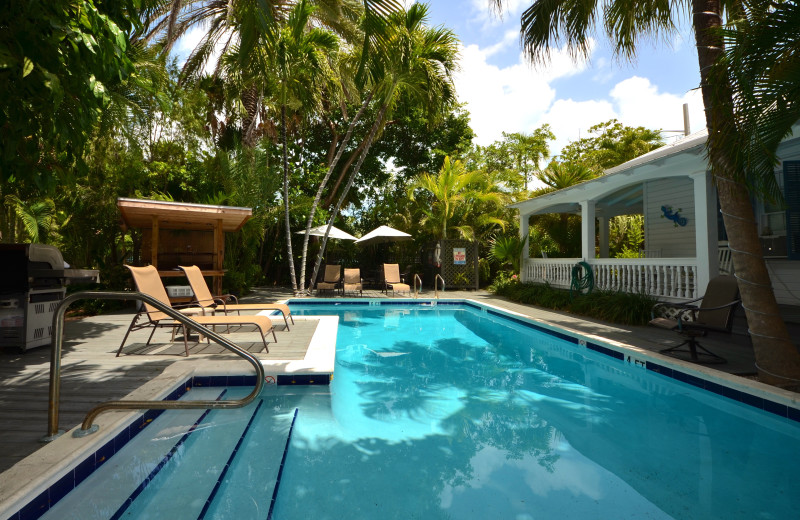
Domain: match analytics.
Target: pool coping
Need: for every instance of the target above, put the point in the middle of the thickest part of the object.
(28, 480)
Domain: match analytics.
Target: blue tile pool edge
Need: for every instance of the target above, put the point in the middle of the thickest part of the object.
(79, 472)
(682, 374)
(619, 353)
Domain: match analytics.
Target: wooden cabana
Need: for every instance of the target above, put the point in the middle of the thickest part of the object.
(177, 233)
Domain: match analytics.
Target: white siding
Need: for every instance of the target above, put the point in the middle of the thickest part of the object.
(662, 234)
(785, 276)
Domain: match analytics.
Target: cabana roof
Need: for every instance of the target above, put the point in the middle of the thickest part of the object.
(139, 213)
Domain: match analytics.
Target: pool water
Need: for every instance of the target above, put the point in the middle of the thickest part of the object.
(450, 412)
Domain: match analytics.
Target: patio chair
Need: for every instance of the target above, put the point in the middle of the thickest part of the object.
(332, 279)
(148, 282)
(392, 280)
(715, 313)
(352, 281)
(204, 299)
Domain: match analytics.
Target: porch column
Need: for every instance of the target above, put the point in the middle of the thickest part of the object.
(524, 235)
(706, 246)
(602, 224)
(587, 229)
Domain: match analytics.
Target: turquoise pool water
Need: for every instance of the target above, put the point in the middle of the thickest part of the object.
(451, 412)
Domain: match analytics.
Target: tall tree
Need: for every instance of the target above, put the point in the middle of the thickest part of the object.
(300, 57)
(548, 23)
(613, 144)
(520, 154)
(410, 57)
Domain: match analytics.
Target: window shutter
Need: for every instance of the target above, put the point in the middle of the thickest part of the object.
(791, 190)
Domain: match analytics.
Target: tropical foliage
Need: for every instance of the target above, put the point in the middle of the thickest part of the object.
(343, 112)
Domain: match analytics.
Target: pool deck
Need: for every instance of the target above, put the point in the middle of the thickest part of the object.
(92, 374)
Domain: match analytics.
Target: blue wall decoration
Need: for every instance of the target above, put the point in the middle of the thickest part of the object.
(674, 216)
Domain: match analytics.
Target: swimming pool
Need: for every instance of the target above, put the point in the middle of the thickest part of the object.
(452, 411)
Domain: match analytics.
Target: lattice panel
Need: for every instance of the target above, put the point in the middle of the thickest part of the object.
(459, 276)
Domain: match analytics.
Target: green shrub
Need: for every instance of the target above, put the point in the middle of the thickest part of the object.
(611, 306)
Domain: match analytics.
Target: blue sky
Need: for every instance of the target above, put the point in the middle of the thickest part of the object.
(504, 93)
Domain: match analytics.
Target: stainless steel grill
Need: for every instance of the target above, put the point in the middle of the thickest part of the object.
(31, 288)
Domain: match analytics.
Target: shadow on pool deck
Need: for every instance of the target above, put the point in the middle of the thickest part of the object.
(91, 373)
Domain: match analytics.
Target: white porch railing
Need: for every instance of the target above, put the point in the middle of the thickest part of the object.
(658, 277)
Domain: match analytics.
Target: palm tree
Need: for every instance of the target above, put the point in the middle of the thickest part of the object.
(455, 195)
(547, 23)
(560, 175)
(231, 25)
(300, 59)
(762, 67)
(408, 57)
(35, 220)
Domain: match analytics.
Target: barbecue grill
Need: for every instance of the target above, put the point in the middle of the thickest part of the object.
(31, 287)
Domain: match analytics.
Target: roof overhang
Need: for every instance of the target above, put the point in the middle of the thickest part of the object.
(620, 190)
(140, 213)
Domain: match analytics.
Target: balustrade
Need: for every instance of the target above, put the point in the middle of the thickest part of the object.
(671, 278)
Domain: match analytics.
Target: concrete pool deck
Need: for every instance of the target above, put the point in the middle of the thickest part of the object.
(91, 373)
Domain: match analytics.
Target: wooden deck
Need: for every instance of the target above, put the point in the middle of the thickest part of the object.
(91, 373)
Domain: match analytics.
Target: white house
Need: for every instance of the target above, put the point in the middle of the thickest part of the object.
(685, 241)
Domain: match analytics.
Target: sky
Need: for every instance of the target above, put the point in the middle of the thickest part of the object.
(504, 93)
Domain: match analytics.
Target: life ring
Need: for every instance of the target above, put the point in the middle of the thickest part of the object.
(582, 279)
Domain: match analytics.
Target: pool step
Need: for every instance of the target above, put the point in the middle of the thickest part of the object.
(109, 487)
(247, 487)
(187, 480)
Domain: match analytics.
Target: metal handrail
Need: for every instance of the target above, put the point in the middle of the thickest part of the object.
(417, 288)
(87, 427)
(436, 285)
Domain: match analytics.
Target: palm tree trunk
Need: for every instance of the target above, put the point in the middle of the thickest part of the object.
(368, 143)
(322, 185)
(777, 359)
(250, 101)
(286, 199)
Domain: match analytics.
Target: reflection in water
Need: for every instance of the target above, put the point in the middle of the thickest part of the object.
(453, 415)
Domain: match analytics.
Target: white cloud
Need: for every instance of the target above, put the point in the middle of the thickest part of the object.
(507, 99)
(570, 120)
(634, 102)
(639, 103)
(519, 98)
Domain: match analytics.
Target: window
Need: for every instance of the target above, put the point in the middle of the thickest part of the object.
(772, 224)
(791, 190)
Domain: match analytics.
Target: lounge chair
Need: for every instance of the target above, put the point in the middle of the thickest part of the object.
(392, 280)
(148, 282)
(715, 312)
(352, 281)
(208, 302)
(332, 278)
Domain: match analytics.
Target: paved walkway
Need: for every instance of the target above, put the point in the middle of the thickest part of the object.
(92, 374)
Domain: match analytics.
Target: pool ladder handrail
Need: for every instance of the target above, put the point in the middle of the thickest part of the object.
(436, 285)
(417, 287)
(87, 426)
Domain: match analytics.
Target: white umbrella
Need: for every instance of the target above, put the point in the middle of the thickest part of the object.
(383, 234)
(319, 231)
